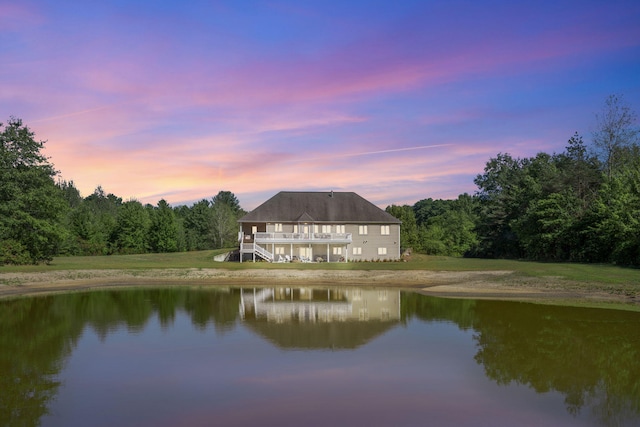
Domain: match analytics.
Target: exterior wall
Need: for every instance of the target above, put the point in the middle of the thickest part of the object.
(374, 239)
(368, 244)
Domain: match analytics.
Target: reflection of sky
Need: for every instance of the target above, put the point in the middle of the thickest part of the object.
(164, 99)
(182, 376)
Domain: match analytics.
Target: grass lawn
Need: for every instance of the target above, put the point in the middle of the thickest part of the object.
(586, 273)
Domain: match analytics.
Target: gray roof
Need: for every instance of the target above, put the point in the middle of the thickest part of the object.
(311, 206)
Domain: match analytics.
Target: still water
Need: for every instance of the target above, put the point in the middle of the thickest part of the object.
(312, 357)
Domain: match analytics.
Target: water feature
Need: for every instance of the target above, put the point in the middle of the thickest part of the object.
(312, 356)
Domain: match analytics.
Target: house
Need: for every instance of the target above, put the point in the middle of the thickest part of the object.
(313, 226)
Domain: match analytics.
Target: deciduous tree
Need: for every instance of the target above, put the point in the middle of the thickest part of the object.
(614, 132)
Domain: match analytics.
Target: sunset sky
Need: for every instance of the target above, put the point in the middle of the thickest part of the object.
(396, 100)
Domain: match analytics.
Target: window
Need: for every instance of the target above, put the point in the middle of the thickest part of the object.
(326, 229)
(279, 250)
(278, 228)
(382, 251)
(295, 228)
(254, 229)
(340, 229)
(357, 251)
(337, 250)
(384, 230)
(363, 230)
(316, 228)
(305, 253)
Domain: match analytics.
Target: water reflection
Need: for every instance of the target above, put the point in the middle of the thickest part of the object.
(319, 318)
(585, 360)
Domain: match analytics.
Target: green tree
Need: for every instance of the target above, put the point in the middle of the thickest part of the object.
(132, 228)
(409, 229)
(547, 227)
(93, 223)
(224, 225)
(428, 208)
(31, 205)
(498, 197)
(71, 193)
(225, 211)
(163, 234)
(229, 199)
(197, 224)
(614, 230)
(580, 171)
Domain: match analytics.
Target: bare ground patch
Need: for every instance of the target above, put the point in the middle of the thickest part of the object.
(458, 284)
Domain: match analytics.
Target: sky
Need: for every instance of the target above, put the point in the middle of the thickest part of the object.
(397, 101)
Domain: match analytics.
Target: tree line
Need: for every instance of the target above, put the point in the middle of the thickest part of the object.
(102, 224)
(41, 218)
(580, 205)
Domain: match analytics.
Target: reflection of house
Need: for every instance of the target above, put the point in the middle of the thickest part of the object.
(308, 226)
(320, 318)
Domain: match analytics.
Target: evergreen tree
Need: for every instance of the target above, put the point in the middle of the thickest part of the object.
(132, 228)
(31, 205)
(163, 234)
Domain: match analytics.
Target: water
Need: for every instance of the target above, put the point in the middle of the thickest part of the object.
(313, 357)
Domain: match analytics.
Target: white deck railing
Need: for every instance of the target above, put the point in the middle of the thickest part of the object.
(297, 237)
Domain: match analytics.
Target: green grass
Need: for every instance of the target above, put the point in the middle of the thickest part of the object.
(581, 273)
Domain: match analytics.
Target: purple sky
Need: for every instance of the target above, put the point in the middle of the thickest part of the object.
(397, 101)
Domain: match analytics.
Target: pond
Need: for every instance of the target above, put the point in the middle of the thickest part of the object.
(314, 357)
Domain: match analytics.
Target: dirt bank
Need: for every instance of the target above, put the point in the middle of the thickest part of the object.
(460, 284)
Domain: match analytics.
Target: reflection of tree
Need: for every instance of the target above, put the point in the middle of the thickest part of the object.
(591, 356)
(457, 311)
(37, 335)
(219, 307)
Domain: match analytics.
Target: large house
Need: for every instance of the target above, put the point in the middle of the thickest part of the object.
(319, 226)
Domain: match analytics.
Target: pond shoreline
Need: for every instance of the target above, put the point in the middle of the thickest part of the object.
(452, 284)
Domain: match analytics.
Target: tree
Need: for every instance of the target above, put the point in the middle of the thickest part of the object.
(547, 228)
(614, 131)
(613, 231)
(132, 228)
(163, 234)
(31, 205)
(498, 196)
(93, 223)
(409, 227)
(197, 224)
(225, 211)
(448, 226)
(428, 208)
(223, 224)
(70, 193)
(580, 171)
(229, 199)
